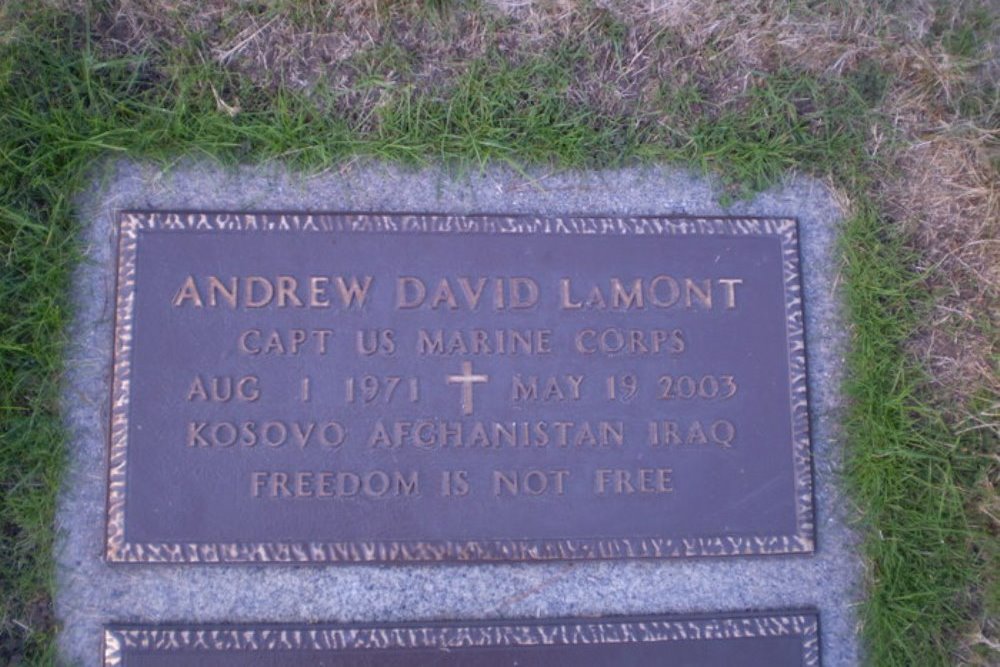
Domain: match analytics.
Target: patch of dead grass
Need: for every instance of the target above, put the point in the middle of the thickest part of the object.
(946, 195)
(301, 44)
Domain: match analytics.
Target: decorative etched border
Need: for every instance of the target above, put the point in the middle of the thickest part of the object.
(118, 640)
(131, 223)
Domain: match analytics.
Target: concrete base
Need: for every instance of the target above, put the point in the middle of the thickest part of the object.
(92, 593)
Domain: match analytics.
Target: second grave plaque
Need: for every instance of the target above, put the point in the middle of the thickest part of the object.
(354, 387)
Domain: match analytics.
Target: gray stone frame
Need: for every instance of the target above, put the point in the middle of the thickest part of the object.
(92, 593)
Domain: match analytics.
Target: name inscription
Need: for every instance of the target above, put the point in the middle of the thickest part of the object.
(353, 387)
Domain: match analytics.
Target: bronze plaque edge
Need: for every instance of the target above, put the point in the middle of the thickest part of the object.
(802, 623)
(119, 550)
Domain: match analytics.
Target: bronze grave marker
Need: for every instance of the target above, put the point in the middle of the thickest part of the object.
(361, 387)
(769, 639)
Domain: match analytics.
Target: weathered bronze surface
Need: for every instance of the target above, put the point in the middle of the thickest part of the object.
(771, 639)
(352, 387)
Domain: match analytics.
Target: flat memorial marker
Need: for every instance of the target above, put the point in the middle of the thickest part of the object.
(357, 387)
(772, 639)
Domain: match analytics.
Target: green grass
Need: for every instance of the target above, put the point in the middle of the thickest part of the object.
(908, 469)
(63, 107)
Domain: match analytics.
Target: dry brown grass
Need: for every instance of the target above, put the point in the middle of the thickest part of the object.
(946, 197)
(305, 43)
(339, 45)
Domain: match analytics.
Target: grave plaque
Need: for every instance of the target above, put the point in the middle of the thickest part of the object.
(359, 387)
(773, 639)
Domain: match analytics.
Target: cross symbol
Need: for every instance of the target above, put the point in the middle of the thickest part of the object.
(466, 379)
